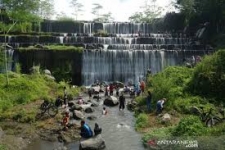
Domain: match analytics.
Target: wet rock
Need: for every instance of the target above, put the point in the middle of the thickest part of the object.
(65, 138)
(94, 143)
(92, 117)
(89, 110)
(111, 101)
(131, 105)
(78, 115)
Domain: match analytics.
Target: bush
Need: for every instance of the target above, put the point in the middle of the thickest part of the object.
(189, 126)
(208, 79)
(142, 121)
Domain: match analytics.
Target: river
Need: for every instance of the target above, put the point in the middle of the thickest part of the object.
(118, 131)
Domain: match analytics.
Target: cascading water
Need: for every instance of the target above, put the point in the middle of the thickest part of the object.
(128, 55)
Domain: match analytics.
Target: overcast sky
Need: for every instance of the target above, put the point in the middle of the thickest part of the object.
(120, 9)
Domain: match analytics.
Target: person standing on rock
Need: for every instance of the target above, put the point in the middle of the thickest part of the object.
(121, 101)
(86, 131)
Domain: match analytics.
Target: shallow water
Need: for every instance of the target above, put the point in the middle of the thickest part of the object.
(118, 131)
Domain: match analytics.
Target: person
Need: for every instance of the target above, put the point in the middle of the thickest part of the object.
(122, 101)
(97, 129)
(89, 93)
(142, 86)
(65, 121)
(106, 91)
(65, 95)
(159, 105)
(58, 102)
(117, 90)
(149, 99)
(104, 111)
(86, 131)
(111, 89)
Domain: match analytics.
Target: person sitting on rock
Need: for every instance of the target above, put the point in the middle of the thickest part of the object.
(104, 111)
(97, 129)
(86, 131)
(66, 120)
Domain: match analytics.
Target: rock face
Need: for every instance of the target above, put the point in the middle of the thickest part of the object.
(94, 143)
(111, 101)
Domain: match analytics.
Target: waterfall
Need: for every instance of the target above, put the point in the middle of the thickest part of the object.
(124, 65)
(9, 59)
(132, 50)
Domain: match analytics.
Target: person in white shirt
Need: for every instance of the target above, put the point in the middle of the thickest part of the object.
(159, 105)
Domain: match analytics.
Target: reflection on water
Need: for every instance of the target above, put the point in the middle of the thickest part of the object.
(118, 132)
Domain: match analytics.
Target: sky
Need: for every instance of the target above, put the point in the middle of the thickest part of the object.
(121, 9)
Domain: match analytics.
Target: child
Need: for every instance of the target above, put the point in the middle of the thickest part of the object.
(65, 121)
(104, 111)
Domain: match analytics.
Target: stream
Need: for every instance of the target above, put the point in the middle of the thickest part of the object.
(117, 130)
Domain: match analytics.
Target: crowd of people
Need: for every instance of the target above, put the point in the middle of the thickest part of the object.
(85, 129)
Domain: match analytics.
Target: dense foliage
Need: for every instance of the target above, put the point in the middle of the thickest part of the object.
(208, 79)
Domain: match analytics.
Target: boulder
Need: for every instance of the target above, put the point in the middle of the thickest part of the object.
(111, 101)
(78, 114)
(48, 72)
(92, 117)
(131, 105)
(50, 77)
(89, 110)
(166, 118)
(74, 106)
(94, 143)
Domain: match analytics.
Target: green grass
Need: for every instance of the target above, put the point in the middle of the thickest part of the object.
(54, 48)
(23, 89)
(142, 121)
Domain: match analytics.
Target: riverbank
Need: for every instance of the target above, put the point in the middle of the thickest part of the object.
(17, 136)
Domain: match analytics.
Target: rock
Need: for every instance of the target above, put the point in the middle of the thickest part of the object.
(92, 117)
(73, 106)
(78, 114)
(94, 143)
(111, 101)
(131, 105)
(65, 138)
(89, 110)
(195, 110)
(48, 72)
(50, 77)
(166, 118)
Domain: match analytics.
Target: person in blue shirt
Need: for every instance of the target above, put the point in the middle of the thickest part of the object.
(86, 131)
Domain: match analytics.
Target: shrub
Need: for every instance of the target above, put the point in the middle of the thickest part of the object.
(142, 121)
(208, 79)
(189, 126)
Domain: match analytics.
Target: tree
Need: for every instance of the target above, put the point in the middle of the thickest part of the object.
(63, 17)
(106, 17)
(46, 9)
(149, 13)
(22, 10)
(77, 8)
(96, 11)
